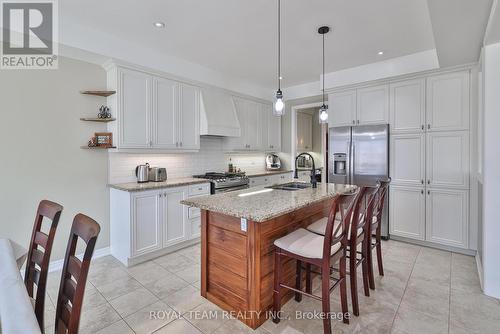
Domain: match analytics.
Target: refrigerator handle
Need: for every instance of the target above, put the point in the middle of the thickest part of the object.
(353, 154)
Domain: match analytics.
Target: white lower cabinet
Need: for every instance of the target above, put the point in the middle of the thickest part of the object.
(269, 180)
(407, 212)
(447, 217)
(146, 224)
(174, 216)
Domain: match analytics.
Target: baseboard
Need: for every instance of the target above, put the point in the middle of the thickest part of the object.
(479, 265)
(470, 252)
(58, 264)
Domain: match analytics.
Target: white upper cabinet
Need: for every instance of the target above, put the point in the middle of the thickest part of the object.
(250, 117)
(153, 112)
(407, 165)
(253, 126)
(134, 113)
(407, 212)
(342, 108)
(271, 137)
(373, 105)
(166, 104)
(447, 220)
(189, 117)
(448, 102)
(407, 106)
(448, 159)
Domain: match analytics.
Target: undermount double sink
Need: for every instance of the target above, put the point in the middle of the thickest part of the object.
(291, 186)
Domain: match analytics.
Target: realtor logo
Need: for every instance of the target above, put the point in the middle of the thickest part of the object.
(29, 34)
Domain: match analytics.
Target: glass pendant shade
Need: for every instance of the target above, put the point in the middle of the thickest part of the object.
(323, 114)
(279, 105)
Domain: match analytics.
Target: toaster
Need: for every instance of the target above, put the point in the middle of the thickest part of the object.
(157, 174)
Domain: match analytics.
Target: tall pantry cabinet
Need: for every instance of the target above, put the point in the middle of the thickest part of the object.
(429, 165)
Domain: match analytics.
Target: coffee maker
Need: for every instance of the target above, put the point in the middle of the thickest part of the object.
(273, 162)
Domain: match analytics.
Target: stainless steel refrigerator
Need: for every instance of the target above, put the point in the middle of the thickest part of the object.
(360, 155)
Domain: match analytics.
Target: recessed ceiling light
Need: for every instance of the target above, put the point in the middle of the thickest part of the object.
(380, 53)
(159, 25)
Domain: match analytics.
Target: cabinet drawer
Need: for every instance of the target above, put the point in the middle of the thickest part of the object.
(199, 189)
(193, 213)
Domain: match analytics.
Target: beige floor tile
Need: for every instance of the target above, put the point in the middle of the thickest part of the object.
(119, 327)
(105, 277)
(175, 262)
(97, 318)
(435, 273)
(434, 256)
(185, 299)
(133, 301)
(166, 286)
(426, 297)
(148, 272)
(92, 299)
(465, 261)
(191, 274)
(234, 326)
(207, 317)
(119, 287)
(193, 252)
(465, 279)
(474, 311)
(151, 318)
(180, 326)
(409, 321)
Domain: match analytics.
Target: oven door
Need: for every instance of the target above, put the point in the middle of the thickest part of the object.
(228, 189)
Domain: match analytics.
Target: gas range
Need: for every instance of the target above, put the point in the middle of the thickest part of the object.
(224, 182)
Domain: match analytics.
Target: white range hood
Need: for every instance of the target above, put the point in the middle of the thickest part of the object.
(218, 114)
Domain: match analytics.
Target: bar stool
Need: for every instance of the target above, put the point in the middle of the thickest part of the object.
(357, 235)
(375, 229)
(313, 249)
(37, 265)
(74, 275)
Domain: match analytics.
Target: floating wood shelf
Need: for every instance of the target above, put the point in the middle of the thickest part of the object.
(94, 119)
(104, 93)
(95, 147)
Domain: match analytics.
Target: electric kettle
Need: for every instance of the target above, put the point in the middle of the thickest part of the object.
(142, 173)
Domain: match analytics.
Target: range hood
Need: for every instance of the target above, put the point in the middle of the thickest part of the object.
(218, 114)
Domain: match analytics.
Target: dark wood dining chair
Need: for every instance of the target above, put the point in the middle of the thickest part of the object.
(74, 275)
(319, 251)
(374, 239)
(356, 235)
(37, 264)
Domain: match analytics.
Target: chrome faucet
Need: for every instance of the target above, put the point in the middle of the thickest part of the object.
(313, 170)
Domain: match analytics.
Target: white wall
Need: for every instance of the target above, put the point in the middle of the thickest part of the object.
(210, 158)
(40, 138)
(491, 167)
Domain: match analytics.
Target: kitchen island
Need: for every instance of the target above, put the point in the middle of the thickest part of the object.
(237, 234)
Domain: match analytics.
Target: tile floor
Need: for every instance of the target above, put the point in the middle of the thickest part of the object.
(423, 291)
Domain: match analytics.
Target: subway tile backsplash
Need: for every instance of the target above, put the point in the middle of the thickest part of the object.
(210, 158)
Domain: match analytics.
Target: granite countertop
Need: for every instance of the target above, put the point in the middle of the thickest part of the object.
(177, 182)
(268, 203)
(268, 172)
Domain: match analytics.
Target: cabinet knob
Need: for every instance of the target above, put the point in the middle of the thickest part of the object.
(353, 122)
(422, 191)
(358, 121)
(428, 126)
(422, 181)
(429, 181)
(176, 144)
(422, 127)
(181, 144)
(428, 192)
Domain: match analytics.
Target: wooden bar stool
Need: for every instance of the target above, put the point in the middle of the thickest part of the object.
(375, 229)
(313, 249)
(74, 275)
(37, 265)
(357, 231)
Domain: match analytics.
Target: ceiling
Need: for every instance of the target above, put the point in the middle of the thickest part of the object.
(238, 37)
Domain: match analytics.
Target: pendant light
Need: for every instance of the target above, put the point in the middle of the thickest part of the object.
(279, 105)
(323, 111)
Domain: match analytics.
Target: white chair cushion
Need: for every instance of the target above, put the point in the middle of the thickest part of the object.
(319, 226)
(304, 243)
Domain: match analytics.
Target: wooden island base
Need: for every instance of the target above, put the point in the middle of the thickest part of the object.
(237, 268)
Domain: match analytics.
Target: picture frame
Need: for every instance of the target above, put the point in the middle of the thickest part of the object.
(103, 139)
